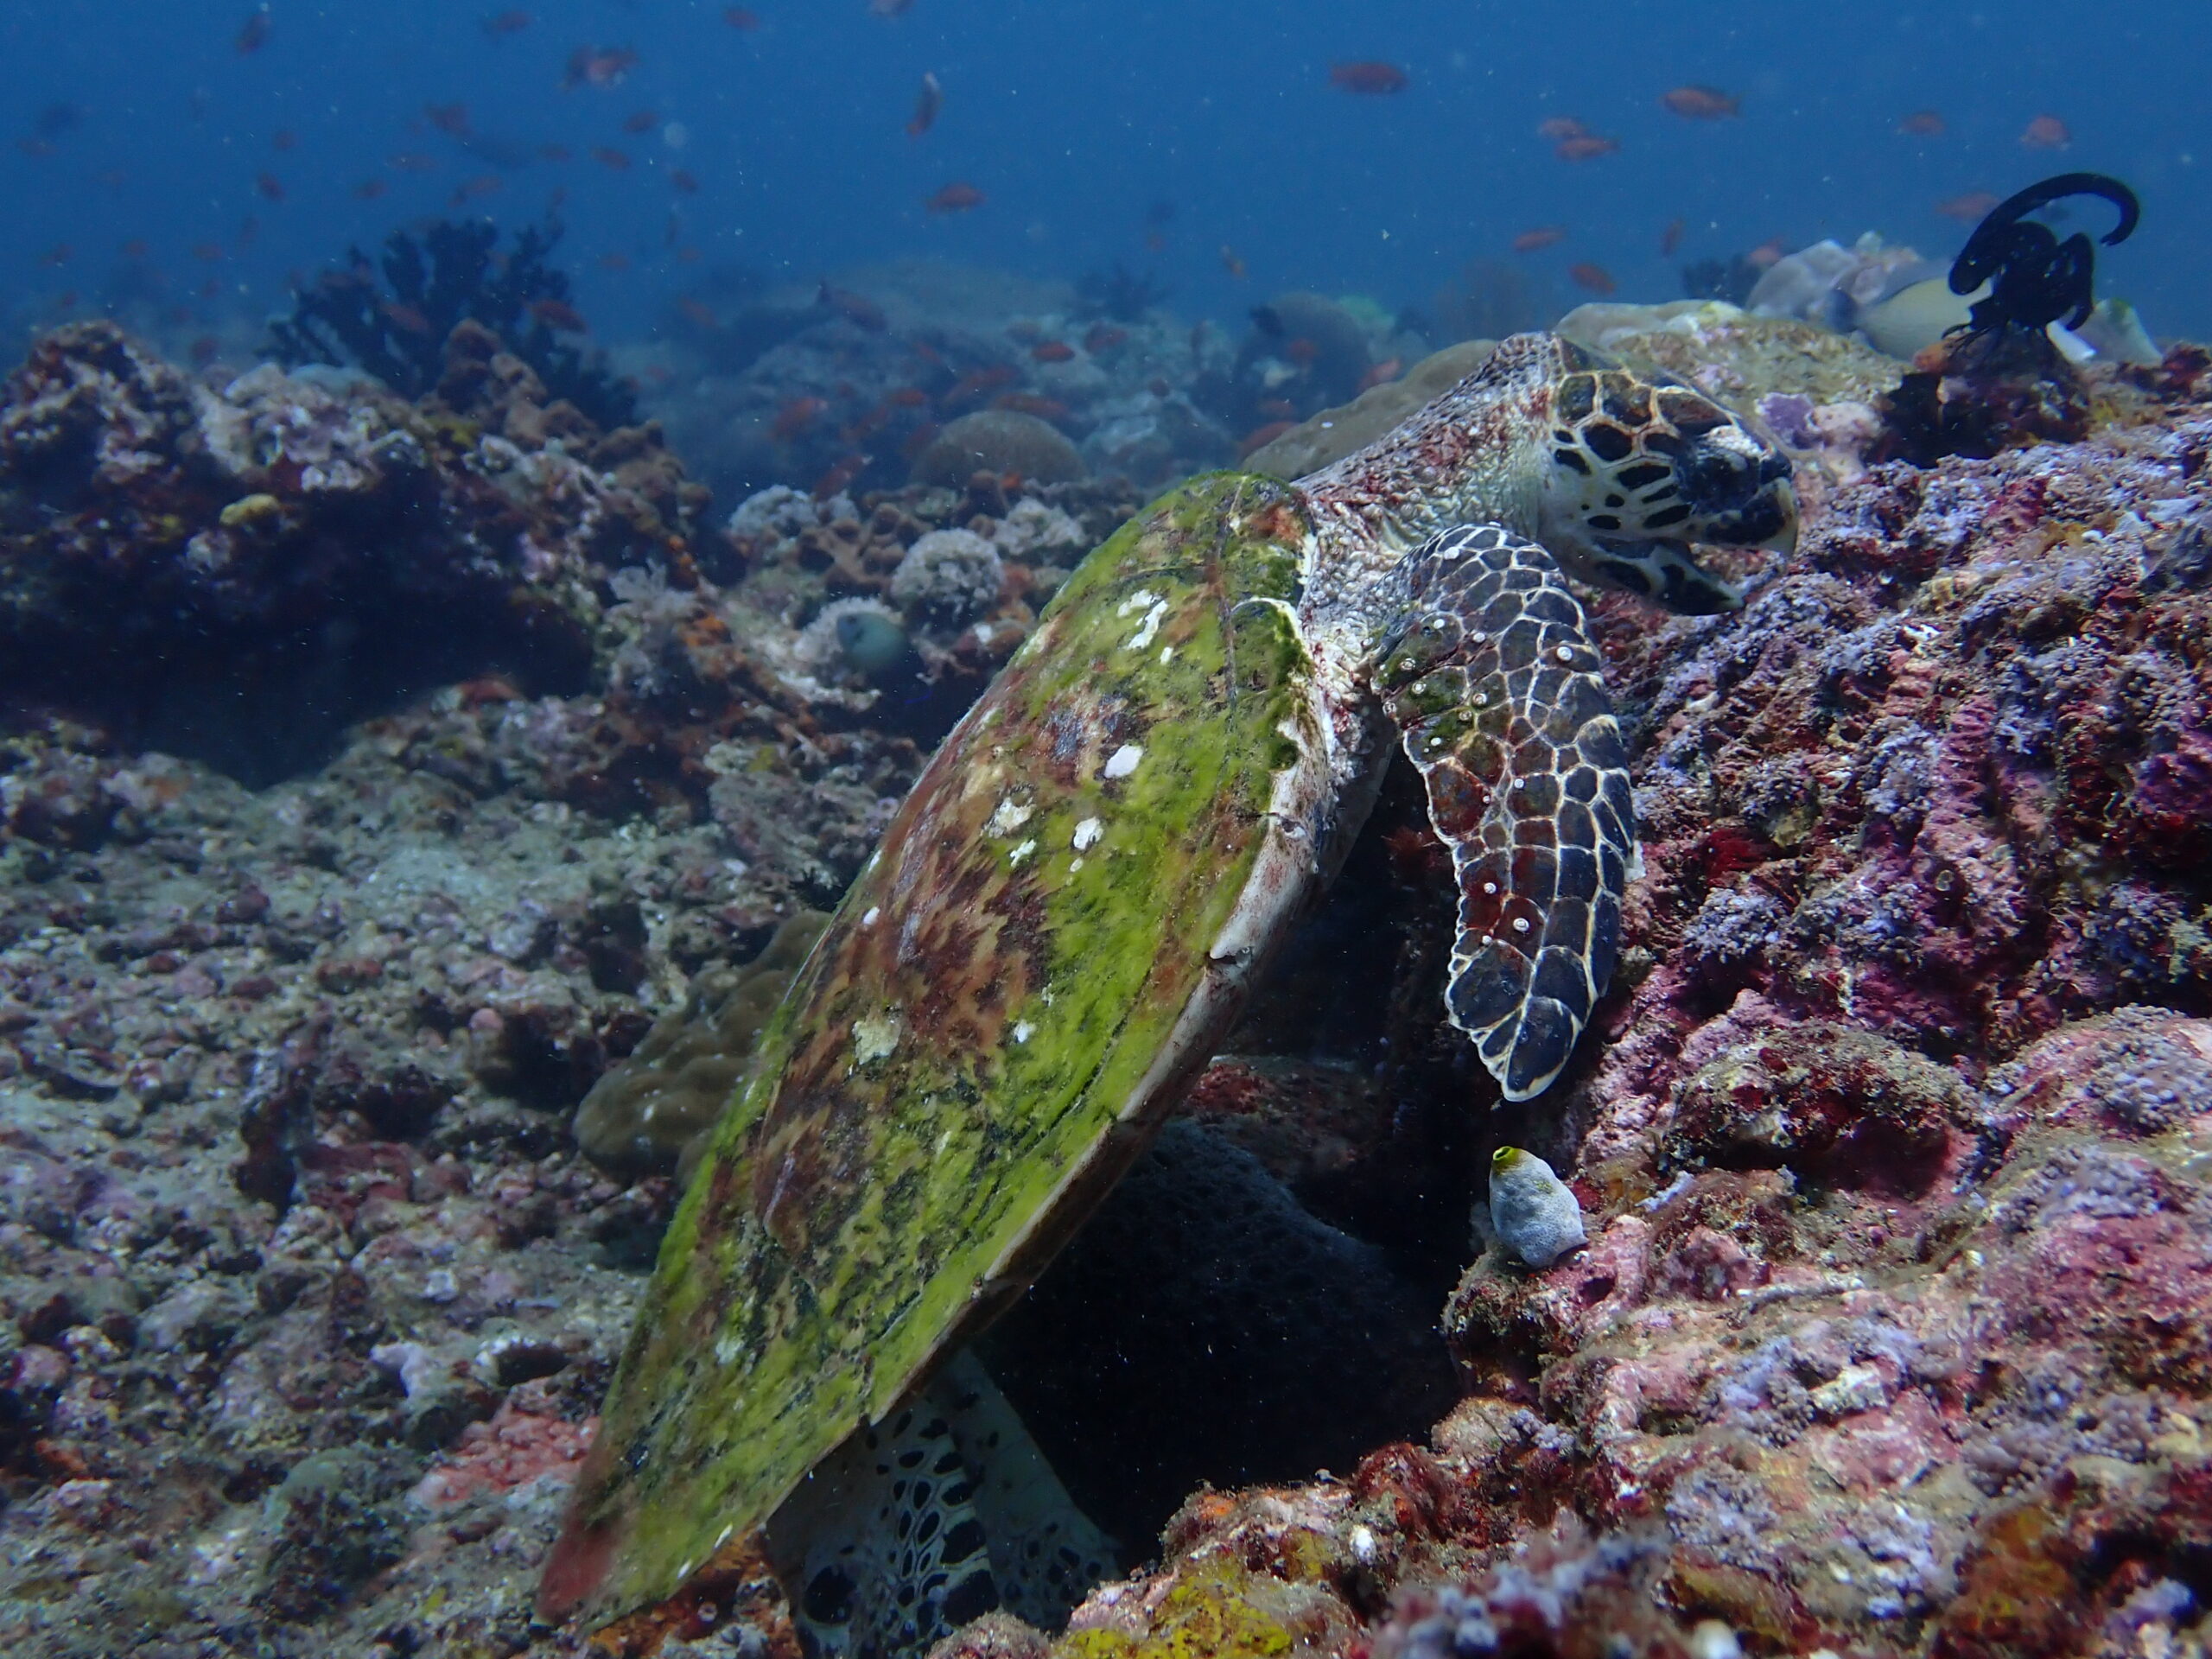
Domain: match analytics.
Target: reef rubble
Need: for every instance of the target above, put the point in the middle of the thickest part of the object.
(1892, 1333)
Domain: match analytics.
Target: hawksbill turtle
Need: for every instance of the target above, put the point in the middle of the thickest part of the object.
(1066, 915)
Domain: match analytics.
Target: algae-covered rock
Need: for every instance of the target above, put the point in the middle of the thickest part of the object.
(999, 441)
(640, 1116)
(1729, 353)
(1335, 433)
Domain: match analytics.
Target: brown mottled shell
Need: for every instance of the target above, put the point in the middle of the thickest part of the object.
(1060, 924)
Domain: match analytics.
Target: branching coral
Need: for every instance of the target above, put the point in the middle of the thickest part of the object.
(449, 274)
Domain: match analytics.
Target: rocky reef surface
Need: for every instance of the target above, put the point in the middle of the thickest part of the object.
(1893, 1332)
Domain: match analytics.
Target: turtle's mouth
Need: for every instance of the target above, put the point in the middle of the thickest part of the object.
(1727, 513)
(1667, 572)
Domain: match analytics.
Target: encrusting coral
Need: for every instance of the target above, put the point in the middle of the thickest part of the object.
(1890, 1334)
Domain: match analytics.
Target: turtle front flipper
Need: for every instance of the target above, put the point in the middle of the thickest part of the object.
(1494, 683)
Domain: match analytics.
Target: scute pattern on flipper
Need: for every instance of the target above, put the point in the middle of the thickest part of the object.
(1500, 699)
(881, 1549)
(942, 1511)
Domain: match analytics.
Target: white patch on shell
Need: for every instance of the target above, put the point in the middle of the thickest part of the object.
(874, 911)
(1143, 636)
(1087, 833)
(1136, 601)
(1023, 1031)
(874, 1036)
(1022, 852)
(1123, 761)
(1010, 817)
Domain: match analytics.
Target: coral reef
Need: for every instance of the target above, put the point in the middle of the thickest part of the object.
(643, 1114)
(1335, 433)
(239, 570)
(434, 280)
(1891, 1335)
(1005, 443)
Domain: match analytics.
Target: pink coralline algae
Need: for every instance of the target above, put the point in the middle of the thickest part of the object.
(516, 1447)
(1893, 1331)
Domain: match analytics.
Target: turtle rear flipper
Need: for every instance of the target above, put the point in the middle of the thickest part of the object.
(1498, 694)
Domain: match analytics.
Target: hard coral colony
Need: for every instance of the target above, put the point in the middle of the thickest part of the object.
(1049, 979)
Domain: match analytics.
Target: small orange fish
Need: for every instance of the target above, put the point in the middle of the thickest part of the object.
(1276, 408)
(907, 398)
(641, 121)
(1922, 124)
(1300, 351)
(1231, 262)
(1543, 236)
(507, 23)
(1052, 351)
(739, 17)
(1022, 402)
(955, 198)
(475, 189)
(1369, 78)
(608, 156)
(594, 66)
(1768, 254)
(2046, 132)
(855, 308)
(927, 103)
(254, 34)
(405, 317)
(697, 313)
(919, 439)
(796, 416)
(449, 119)
(210, 252)
(269, 187)
(283, 138)
(1259, 437)
(1699, 103)
(614, 262)
(1585, 147)
(682, 180)
(842, 472)
(1557, 127)
(1670, 238)
(1594, 279)
(137, 248)
(1969, 208)
(370, 189)
(976, 386)
(1382, 373)
(560, 317)
(1103, 337)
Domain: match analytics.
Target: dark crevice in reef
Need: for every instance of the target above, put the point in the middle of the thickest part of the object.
(1248, 1304)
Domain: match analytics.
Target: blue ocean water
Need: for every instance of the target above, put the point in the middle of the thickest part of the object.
(1185, 139)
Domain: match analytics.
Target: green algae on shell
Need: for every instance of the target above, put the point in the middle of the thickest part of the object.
(1064, 911)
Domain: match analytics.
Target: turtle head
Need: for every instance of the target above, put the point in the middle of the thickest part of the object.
(1642, 469)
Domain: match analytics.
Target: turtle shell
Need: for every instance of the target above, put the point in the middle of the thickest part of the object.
(1058, 927)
